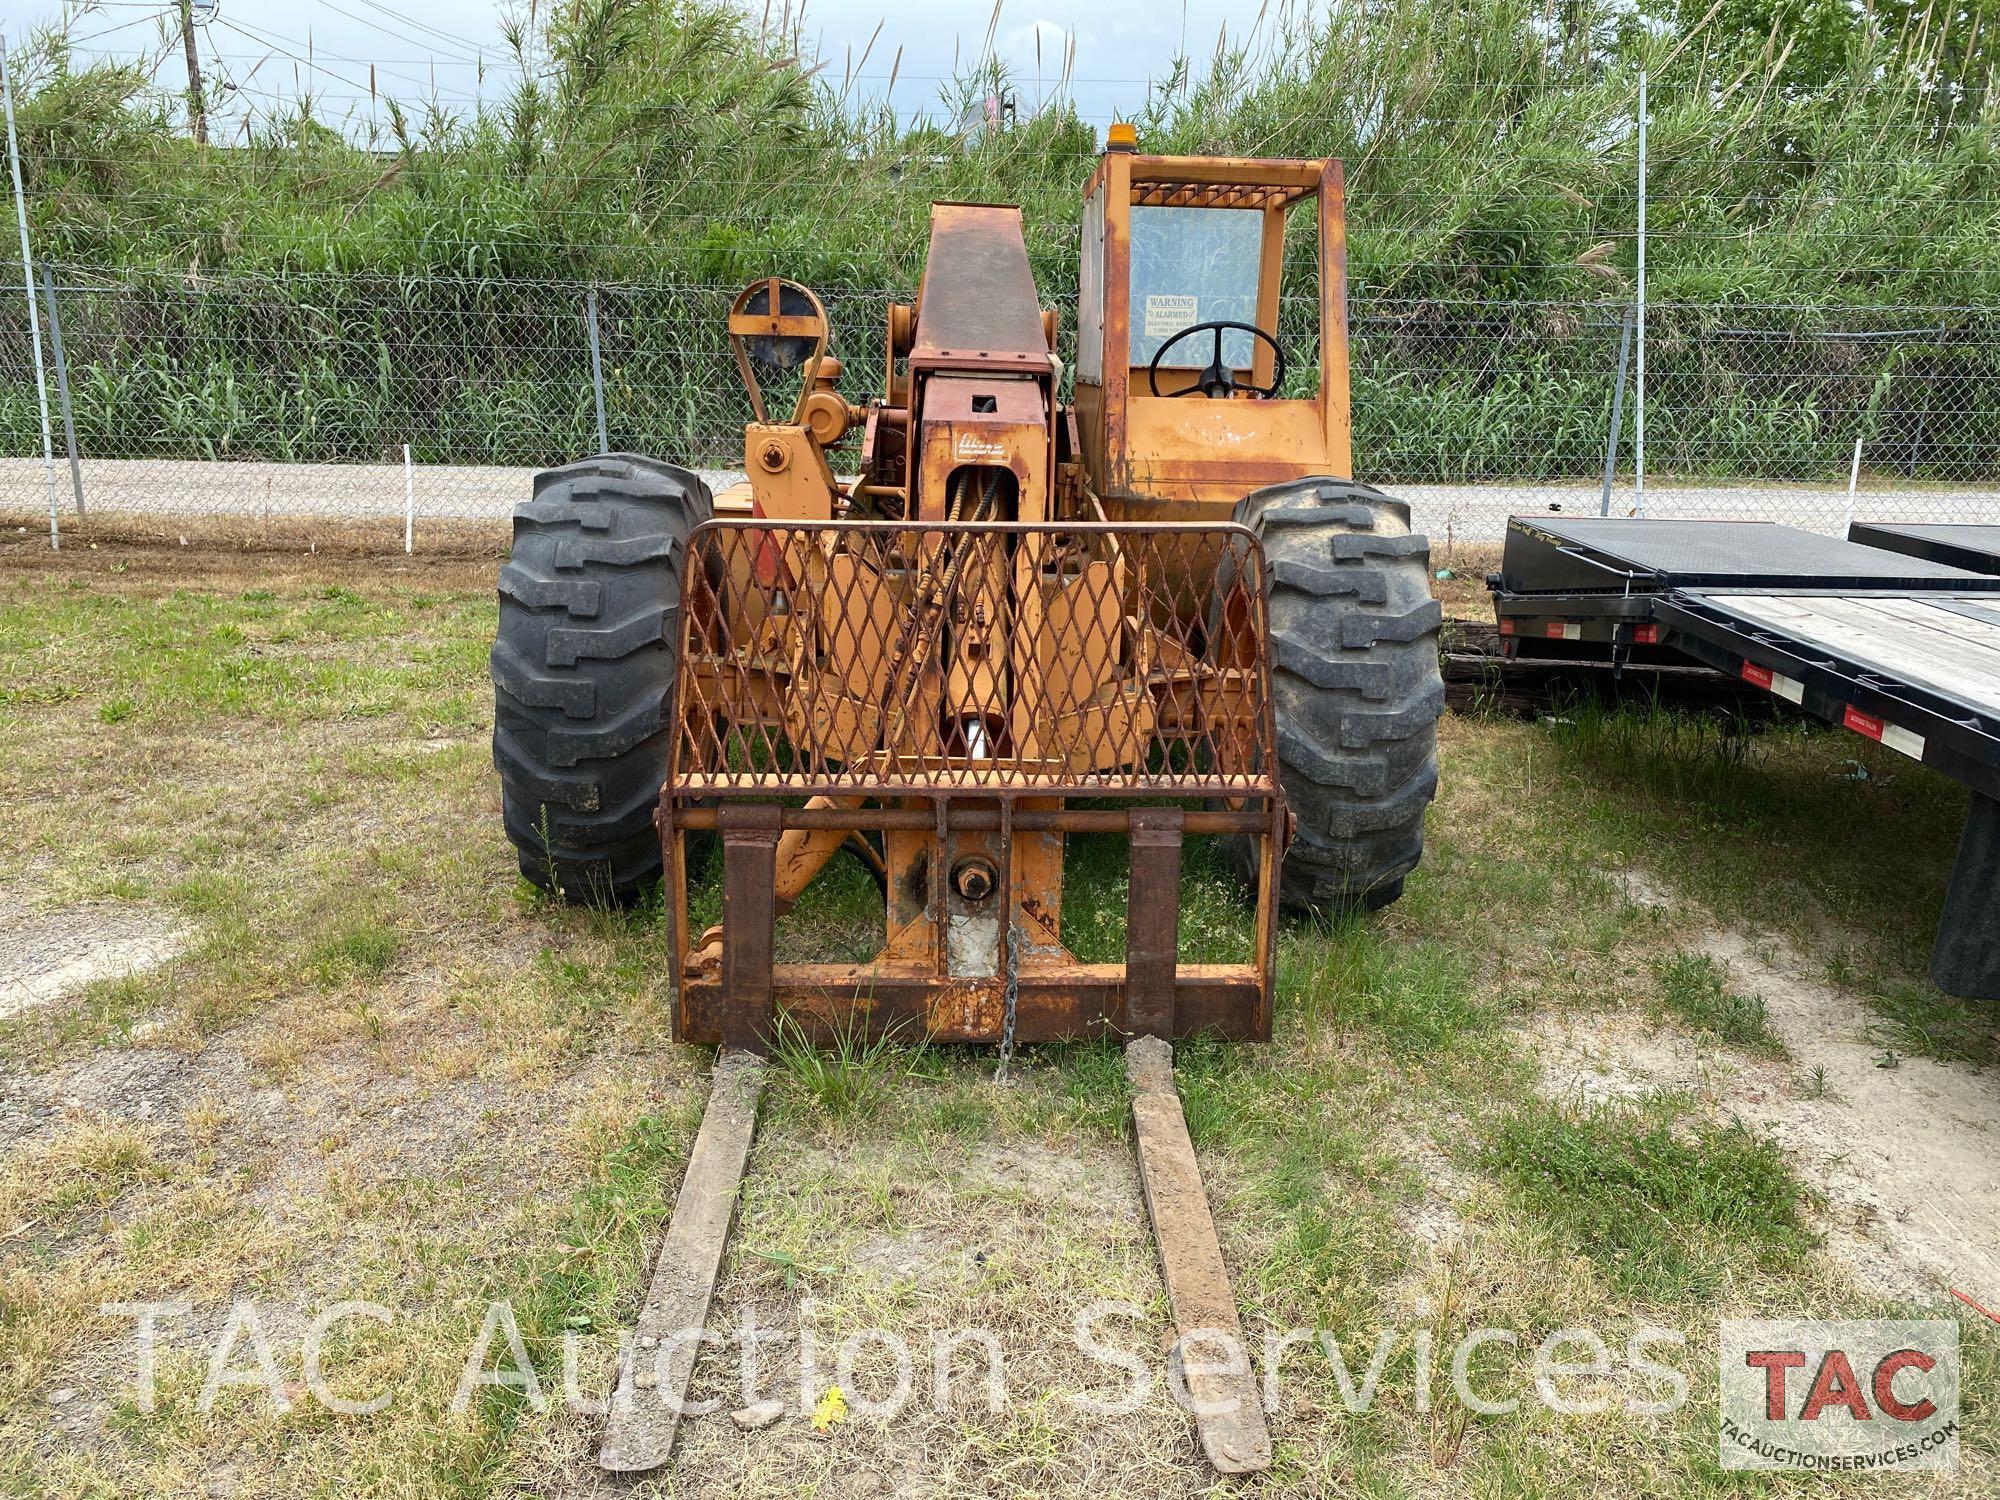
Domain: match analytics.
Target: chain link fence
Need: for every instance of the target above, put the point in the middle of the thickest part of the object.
(265, 398)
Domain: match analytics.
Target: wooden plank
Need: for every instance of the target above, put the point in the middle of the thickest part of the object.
(1892, 648)
(1920, 630)
(1229, 1415)
(1969, 630)
(654, 1372)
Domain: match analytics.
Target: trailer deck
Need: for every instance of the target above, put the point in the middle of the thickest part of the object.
(1956, 544)
(1899, 648)
(1585, 579)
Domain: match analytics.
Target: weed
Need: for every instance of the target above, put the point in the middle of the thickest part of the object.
(1661, 1205)
(1415, 1000)
(1919, 1019)
(1694, 987)
(847, 1080)
(361, 947)
(83, 1166)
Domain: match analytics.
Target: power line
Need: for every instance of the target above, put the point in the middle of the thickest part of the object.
(388, 31)
(425, 26)
(156, 15)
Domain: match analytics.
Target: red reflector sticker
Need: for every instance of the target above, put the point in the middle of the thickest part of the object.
(1506, 627)
(1893, 735)
(1646, 635)
(1862, 723)
(1561, 630)
(1776, 682)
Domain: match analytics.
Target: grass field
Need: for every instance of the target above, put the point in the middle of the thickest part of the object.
(1622, 1057)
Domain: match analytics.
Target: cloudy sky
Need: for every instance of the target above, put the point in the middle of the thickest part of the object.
(271, 49)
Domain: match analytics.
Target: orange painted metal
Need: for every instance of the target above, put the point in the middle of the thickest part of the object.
(1187, 459)
(879, 617)
(1014, 604)
(872, 685)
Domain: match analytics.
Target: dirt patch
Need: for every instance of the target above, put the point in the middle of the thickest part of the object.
(1029, 1170)
(52, 954)
(1602, 1059)
(307, 547)
(1437, 1219)
(1907, 1157)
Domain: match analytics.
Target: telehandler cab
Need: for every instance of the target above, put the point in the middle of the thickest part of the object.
(1160, 608)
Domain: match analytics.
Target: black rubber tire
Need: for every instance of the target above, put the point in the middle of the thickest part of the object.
(583, 670)
(1356, 686)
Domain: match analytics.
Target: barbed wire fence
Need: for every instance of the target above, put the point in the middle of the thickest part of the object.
(432, 399)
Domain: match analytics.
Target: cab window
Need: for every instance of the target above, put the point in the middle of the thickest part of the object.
(1194, 265)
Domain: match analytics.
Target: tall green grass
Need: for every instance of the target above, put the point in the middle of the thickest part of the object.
(305, 293)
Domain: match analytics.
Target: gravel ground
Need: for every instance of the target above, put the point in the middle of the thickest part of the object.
(53, 953)
(1468, 512)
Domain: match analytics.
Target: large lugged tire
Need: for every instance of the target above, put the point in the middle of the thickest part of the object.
(583, 668)
(1356, 685)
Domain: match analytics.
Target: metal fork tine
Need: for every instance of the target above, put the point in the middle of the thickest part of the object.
(654, 1371)
(1229, 1415)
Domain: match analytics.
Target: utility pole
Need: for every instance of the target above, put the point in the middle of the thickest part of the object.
(197, 108)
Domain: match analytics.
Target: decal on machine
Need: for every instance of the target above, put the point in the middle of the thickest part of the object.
(971, 447)
(1168, 315)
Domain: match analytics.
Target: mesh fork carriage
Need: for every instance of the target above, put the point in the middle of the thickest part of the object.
(958, 690)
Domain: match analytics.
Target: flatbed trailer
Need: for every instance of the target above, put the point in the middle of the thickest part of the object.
(1902, 649)
(1570, 581)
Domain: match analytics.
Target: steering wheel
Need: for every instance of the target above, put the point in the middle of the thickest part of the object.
(1216, 380)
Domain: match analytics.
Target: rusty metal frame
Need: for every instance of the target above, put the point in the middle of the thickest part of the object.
(791, 549)
(737, 1000)
(730, 989)
(1178, 466)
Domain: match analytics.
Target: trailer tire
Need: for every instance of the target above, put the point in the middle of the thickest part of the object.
(1356, 688)
(583, 670)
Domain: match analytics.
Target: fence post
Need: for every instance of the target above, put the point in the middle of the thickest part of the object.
(28, 286)
(1639, 388)
(62, 387)
(409, 504)
(1853, 481)
(1617, 410)
(597, 369)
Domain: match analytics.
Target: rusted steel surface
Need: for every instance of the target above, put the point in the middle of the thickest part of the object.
(749, 887)
(979, 307)
(983, 820)
(897, 658)
(1221, 1386)
(952, 687)
(654, 1371)
(1066, 1002)
(1296, 175)
(1152, 920)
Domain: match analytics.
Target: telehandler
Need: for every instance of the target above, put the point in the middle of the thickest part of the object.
(1158, 608)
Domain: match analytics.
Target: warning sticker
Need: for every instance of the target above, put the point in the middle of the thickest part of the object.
(1168, 315)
